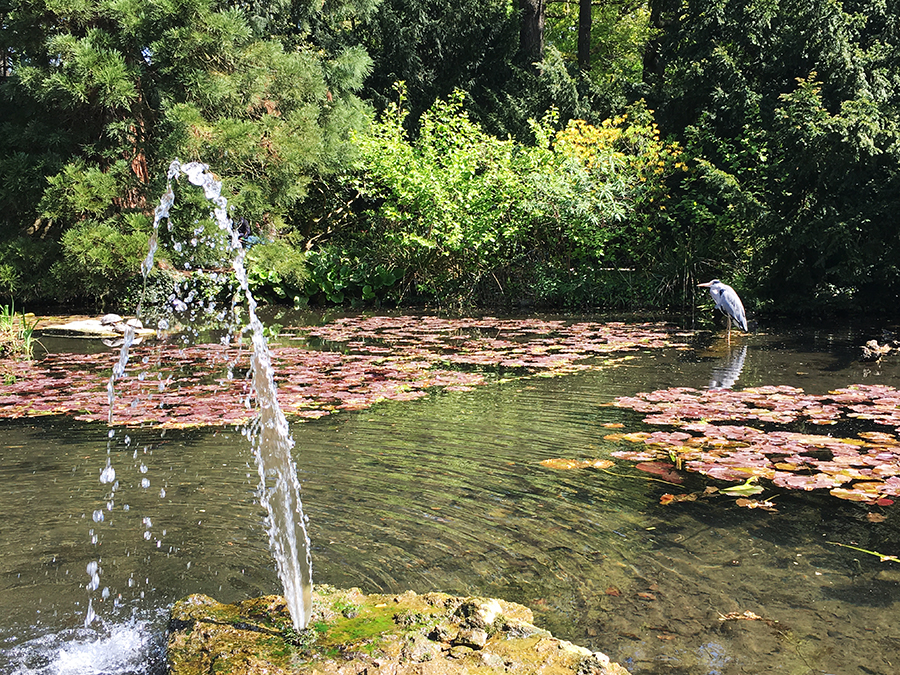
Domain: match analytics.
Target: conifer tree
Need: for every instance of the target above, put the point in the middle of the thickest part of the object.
(121, 87)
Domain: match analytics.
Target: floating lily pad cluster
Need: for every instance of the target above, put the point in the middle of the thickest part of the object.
(362, 361)
(712, 439)
(533, 344)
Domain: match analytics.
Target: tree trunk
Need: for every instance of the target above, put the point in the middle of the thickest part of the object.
(531, 37)
(653, 66)
(584, 35)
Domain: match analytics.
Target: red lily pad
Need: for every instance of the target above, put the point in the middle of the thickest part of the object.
(865, 468)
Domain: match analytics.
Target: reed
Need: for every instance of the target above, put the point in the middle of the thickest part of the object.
(16, 334)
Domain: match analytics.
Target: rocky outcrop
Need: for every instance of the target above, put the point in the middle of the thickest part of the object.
(355, 634)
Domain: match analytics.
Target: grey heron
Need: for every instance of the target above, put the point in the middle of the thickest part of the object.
(728, 302)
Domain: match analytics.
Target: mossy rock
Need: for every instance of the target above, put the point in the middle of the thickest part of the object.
(352, 633)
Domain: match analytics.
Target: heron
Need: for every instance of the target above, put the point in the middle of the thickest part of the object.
(727, 300)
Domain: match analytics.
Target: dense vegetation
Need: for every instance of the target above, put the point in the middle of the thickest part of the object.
(490, 152)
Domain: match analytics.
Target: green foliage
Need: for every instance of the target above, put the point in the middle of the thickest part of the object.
(278, 272)
(269, 124)
(619, 34)
(791, 111)
(458, 208)
(437, 47)
(98, 257)
(785, 178)
(82, 190)
(830, 232)
(341, 274)
(24, 262)
(123, 88)
(16, 334)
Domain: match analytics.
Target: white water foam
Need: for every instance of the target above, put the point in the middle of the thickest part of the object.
(130, 648)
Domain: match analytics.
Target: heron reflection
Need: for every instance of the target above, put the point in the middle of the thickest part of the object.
(727, 371)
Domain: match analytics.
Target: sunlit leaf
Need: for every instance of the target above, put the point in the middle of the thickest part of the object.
(664, 471)
(566, 464)
(749, 487)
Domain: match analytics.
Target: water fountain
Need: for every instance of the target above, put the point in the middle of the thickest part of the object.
(268, 433)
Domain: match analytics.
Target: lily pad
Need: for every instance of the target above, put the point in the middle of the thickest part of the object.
(717, 425)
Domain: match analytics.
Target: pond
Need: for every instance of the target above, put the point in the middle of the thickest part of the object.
(448, 492)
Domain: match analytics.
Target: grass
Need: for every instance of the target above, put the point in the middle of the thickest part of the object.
(16, 335)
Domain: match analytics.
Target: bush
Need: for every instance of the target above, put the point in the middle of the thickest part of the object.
(459, 210)
(99, 259)
(277, 271)
(23, 268)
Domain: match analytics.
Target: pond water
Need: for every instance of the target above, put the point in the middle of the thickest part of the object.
(448, 493)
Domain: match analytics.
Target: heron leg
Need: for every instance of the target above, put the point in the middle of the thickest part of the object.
(728, 319)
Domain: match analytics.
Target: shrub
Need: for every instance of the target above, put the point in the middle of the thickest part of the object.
(278, 271)
(99, 259)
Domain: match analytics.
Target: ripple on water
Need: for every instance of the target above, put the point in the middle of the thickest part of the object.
(448, 493)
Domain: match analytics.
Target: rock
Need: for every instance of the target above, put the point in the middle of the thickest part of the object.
(872, 351)
(110, 319)
(101, 328)
(351, 633)
(493, 661)
(460, 651)
(476, 638)
(419, 648)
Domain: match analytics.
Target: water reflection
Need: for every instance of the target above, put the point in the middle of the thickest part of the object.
(447, 493)
(727, 370)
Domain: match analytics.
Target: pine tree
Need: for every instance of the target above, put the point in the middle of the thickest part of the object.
(122, 87)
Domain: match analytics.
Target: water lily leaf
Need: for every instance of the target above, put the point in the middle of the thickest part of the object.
(730, 451)
(747, 488)
(664, 471)
(808, 482)
(852, 495)
(634, 456)
(354, 363)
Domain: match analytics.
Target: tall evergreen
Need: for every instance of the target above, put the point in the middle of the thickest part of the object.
(123, 88)
(794, 109)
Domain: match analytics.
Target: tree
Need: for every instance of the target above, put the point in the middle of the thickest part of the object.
(531, 34)
(426, 45)
(605, 40)
(797, 103)
(128, 86)
(585, 16)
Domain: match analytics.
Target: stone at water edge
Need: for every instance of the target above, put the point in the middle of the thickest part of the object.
(352, 633)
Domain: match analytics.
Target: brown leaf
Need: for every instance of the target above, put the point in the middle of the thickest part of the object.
(685, 497)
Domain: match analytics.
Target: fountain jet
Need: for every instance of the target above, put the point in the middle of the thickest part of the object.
(269, 432)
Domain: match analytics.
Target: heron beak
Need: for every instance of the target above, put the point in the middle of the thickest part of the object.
(706, 285)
